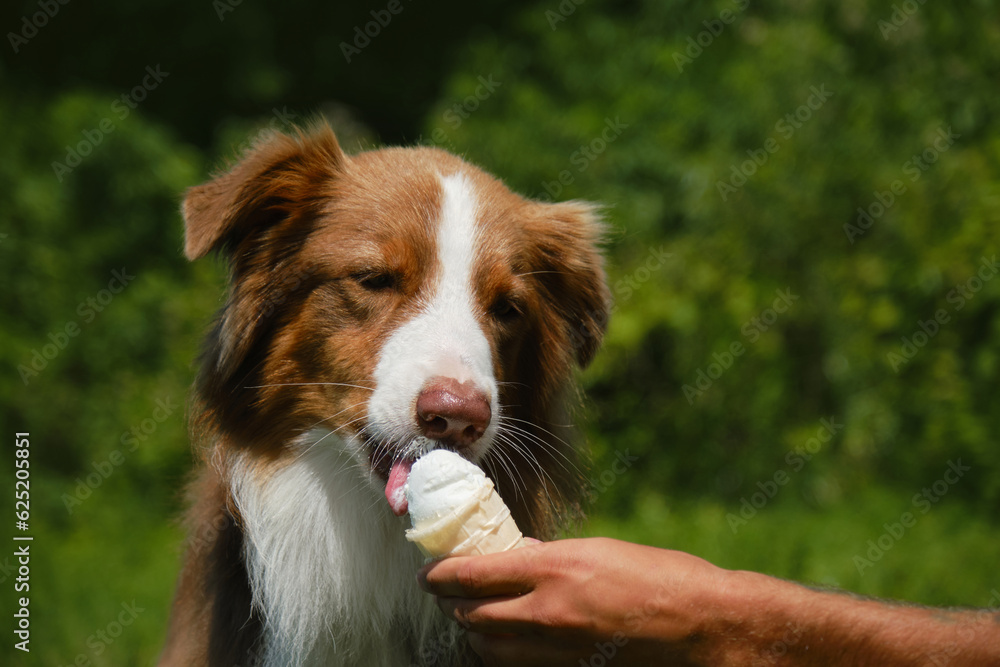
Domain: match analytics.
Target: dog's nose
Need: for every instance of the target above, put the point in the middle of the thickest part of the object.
(455, 413)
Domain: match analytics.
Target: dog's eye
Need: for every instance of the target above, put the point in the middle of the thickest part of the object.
(505, 309)
(376, 281)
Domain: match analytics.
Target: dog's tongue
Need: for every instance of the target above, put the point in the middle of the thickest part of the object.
(394, 488)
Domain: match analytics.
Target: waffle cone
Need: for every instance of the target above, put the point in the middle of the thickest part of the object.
(481, 526)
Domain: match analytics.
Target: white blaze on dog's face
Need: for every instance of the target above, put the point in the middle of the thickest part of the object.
(403, 300)
(442, 350)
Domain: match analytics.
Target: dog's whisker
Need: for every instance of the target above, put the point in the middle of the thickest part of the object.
(497, 456)
(337, 414)
(501, 458)
(529, 456)
(251, 371)
(540, 428)
(511, 464)
(536, 273)
(511, 383)
(511, 440)
(544, 479)
(349, 422)
(554, 448)
(548, 447)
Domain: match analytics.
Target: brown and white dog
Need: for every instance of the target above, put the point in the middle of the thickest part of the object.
(380, 305)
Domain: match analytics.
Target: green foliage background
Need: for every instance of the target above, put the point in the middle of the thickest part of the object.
(693, 97)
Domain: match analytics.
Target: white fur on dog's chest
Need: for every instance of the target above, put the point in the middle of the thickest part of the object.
(329, 563)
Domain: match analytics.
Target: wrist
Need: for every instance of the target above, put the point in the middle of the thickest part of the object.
(722, 625)
(751, 618)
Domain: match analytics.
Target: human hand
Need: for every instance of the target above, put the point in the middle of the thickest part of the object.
(586, 602)
(561, 602)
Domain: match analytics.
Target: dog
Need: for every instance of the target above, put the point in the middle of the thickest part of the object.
(379, 305)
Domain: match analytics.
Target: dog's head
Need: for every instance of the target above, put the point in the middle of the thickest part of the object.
(402, 299)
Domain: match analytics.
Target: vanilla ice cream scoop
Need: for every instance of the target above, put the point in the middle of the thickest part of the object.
(438, 483)
(454, 508)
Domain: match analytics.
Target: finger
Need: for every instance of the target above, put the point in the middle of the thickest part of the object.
(513, 614)
(506, 573)
(494, 615)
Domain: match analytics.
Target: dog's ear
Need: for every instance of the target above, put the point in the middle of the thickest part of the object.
(568, 237)
(277, 170)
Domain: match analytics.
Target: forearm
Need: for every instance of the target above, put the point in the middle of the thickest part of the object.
(756, 619)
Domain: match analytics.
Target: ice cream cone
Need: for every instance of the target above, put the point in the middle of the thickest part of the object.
(483, 525)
